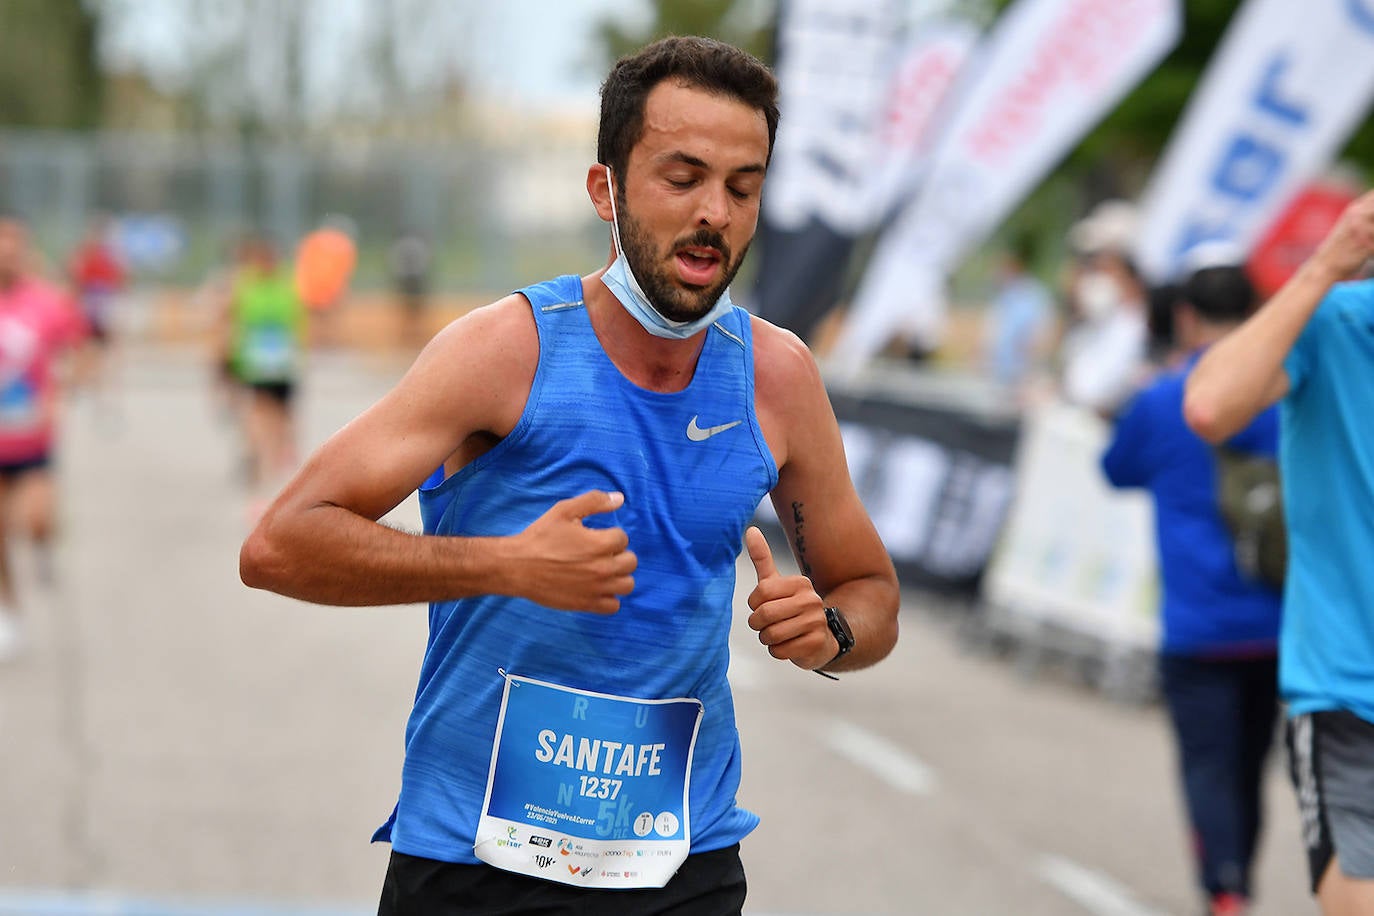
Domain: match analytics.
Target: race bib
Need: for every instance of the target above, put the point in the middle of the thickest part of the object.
(589, 789)
(18, 406)
(269, 353)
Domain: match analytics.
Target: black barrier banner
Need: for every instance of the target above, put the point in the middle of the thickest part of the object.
(936, 481)
(801, 274)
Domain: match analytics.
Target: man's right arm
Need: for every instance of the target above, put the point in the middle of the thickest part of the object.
(1243, 373)
(320, 540)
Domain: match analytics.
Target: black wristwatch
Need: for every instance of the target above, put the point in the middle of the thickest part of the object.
(839, 628)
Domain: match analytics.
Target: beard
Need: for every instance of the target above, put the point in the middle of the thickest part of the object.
(666, 295)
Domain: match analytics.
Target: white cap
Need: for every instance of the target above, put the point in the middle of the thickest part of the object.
(1111, 226)
(1213, 253)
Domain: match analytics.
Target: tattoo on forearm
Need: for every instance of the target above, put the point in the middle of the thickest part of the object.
(799, 538)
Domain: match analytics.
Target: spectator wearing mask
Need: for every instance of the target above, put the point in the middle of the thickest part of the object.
(1103, 353)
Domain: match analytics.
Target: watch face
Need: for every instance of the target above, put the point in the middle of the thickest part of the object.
(840, 628)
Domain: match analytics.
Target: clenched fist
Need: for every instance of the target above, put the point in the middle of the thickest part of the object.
(565, 565)
(787, 613)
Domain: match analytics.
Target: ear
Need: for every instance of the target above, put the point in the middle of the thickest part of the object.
(599, 190)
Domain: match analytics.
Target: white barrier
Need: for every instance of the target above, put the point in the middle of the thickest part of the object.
(1075, 554)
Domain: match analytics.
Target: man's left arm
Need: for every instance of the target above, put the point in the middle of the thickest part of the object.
(1126, 461)
(843, 562)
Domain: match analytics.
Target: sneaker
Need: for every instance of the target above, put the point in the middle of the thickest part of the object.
(11, 636)
(1229, 905)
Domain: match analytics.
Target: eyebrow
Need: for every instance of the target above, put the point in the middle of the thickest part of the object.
(695, 162)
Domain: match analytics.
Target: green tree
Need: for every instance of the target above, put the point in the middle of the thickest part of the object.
(49, 74)
(743, 23)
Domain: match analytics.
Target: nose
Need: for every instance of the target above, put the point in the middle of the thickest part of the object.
(714, 206)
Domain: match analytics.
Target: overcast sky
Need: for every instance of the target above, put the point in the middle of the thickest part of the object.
(530, 52)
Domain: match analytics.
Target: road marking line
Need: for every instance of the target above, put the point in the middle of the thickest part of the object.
(745, 672)
(884, 759)
(58, 903)
(1094, 891)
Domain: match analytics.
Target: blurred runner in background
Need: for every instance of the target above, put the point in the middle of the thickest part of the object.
(97, 279)
(264, 340)
(36, 323)
(410, 258)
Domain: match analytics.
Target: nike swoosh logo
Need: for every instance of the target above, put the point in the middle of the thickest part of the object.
(697, 434)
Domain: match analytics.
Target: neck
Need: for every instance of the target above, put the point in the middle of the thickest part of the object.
(656, 363)
(1208, 334)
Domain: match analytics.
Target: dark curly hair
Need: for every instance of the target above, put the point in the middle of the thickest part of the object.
(1221, 294)
(697, 62)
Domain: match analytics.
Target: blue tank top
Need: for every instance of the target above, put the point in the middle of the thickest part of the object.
(687, 502)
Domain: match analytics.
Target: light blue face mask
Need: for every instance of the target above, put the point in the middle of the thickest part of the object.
(622, 283)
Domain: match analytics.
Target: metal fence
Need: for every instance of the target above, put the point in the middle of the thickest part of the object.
(496, 216)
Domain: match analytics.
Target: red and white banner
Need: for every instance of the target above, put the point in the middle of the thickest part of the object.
(1295, 235)
(1048, 72)
(934, 57)
(1288, 84)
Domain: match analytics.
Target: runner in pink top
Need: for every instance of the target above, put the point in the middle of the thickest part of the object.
(36, 323)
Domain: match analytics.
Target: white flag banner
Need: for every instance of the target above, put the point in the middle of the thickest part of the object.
(934, 57)
(1048, 72)
(1287, 85)
(835, 59)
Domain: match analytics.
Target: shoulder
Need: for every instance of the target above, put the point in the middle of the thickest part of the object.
(786, 376)
(1353, 298)
(1162, 397)
(44, 296)
(502, 331)
(790, 398)
(1347, 303)
(479, 368)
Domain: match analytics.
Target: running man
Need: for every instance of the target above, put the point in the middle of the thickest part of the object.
(265, 335)
(36, 324)
(1311, 349)
(589, 452)
(410, 260)
(97, 279)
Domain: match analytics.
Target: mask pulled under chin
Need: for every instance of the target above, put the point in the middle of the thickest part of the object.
(620, 280)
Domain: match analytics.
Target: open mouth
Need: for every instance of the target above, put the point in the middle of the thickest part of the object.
(698, 266)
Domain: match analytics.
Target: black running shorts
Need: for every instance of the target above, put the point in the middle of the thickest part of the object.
(1331, 761)
(707, 884)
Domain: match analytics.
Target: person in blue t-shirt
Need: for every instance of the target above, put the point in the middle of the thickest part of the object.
(1218, 655)
(1312, 348)
(1020, 320)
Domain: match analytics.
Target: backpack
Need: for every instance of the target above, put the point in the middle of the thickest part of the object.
(1250, 497)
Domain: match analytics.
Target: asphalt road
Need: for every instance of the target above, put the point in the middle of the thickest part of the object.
(174, 743)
